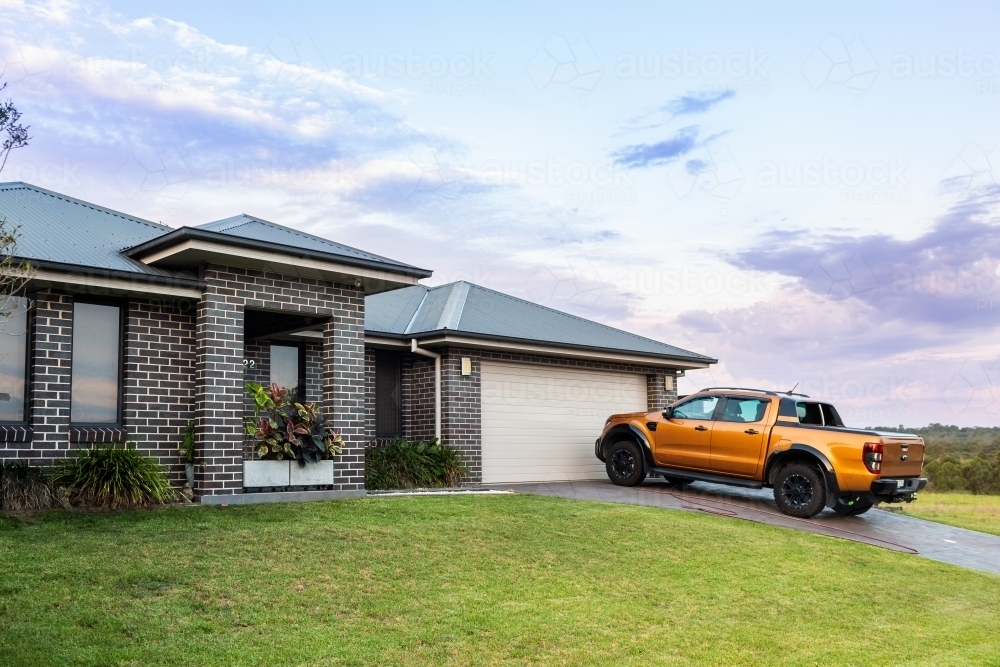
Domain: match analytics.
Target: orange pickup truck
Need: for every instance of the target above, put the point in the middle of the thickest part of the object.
(757, 438)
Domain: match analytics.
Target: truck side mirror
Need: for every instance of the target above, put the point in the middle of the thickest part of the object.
(668, 412)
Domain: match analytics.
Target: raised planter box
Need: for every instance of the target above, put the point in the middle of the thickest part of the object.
(260, 474)
(311, 474)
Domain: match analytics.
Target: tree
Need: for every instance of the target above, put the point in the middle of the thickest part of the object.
(14, 273)
(17, 134)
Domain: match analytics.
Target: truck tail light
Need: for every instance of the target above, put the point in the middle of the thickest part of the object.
(873, 457)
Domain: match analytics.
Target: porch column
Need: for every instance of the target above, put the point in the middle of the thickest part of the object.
(219, 390)
(344, 387)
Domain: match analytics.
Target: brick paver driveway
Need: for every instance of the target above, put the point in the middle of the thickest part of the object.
(891, 530)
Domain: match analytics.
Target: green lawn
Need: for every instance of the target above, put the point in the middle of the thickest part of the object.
(964, 510)
(475, 580)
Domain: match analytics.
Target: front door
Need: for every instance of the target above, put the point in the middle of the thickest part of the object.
(684, 440)
(739, 435)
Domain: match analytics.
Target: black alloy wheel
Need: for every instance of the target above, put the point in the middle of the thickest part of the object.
(799, 490)
(624, 463)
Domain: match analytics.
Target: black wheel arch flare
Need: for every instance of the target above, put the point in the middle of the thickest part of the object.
(629, 432)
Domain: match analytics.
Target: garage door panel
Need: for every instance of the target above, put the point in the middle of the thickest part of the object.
(539, 423)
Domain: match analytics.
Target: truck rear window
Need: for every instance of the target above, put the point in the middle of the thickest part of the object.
(809, 413)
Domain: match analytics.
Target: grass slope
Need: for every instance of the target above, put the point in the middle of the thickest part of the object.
(473, 581)
(964, 510)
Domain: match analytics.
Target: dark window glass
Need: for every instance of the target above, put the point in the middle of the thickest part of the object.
(697, 408)
(96, 355)
(830, 415)
(387, 394)
(745, 410)
(809, 413)
(13, 360)
(285, 368)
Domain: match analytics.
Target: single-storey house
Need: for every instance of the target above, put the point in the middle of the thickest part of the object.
(130, 329)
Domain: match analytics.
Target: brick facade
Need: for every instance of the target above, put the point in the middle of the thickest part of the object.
(184, 361)
(220, 405)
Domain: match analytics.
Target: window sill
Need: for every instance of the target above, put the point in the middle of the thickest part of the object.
(97, 434)
(15, 433)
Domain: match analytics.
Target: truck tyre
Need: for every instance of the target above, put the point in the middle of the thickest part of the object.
(624, 463)
(799, 490)
(844, 506)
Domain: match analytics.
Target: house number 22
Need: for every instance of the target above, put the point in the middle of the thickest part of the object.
(249, 363)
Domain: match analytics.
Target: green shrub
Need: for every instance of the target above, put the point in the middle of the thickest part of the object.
(23, 487)
(400, 464)
(979, 474)
(114, 476)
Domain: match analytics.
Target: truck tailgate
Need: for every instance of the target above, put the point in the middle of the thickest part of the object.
(902, 457)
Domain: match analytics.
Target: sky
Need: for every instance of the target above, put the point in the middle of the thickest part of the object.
(808, 194)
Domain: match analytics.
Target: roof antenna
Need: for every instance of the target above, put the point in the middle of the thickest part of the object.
(789, 392)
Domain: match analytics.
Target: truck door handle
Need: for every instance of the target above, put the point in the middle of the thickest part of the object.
(751, 431)
(701, 428)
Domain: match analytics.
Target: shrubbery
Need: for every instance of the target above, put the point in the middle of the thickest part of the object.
(400, 464)
(114, 476)
(979, 474)
(23, 487)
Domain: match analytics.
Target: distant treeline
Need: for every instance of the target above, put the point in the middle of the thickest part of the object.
(959, 459)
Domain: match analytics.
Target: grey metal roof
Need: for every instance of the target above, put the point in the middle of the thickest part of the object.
(60, 229)
(248, 227)
(463, 307)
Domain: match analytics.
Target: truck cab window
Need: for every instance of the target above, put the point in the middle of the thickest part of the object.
(697, 408)
(809, 413)
(745, 410)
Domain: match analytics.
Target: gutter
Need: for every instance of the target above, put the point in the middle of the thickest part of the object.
(416, 349)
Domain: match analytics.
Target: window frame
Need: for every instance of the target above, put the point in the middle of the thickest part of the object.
(29, 344)
(122, 305)
(399, 384)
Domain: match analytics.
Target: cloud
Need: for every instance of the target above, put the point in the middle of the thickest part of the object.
(647, 155)
(948, 276)
(887, 328)
(695, 103)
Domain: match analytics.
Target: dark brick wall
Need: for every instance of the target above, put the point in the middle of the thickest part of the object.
(657, 395)
(417, 397)
(159, 379)
(49, 386)
(220, 404)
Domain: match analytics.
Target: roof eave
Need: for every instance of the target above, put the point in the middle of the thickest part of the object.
(453, 337)
(177, 236)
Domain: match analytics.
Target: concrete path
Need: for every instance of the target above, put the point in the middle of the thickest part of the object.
(887, 529)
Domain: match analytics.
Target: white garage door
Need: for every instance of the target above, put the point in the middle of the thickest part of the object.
(540, 422)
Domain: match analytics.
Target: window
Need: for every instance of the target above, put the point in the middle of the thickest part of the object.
(285, 368)
(697, 408)
(13, 360)
(830, 415)
(387, 395)
(809, 413)
(96, 386)
(745, 410)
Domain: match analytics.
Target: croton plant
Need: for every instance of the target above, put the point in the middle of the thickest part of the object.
(285, 429)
